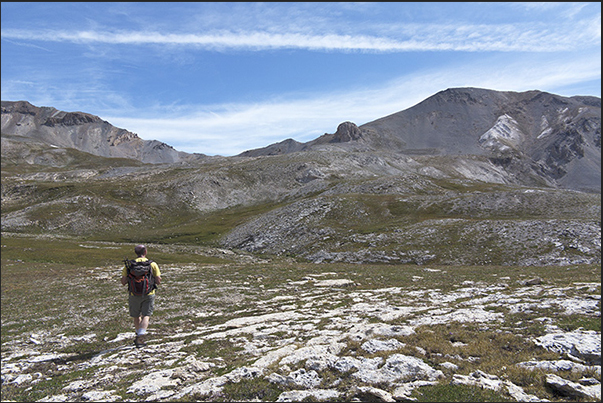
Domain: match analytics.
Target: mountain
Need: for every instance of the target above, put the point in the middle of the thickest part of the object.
(530, 134)
(535, 136)
(24, 122)
(468, 176)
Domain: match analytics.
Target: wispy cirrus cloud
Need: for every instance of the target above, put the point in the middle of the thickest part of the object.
(406, 38)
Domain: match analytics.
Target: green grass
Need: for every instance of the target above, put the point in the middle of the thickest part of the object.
(204, 229)
(573, 322)
(256, 389)
(457, 393)
(24, 250)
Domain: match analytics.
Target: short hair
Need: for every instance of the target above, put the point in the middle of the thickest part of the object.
(140, 250)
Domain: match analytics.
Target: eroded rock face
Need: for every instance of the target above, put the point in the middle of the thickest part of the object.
(347, 131)
(586, 389)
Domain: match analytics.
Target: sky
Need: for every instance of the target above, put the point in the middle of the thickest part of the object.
(222, 78)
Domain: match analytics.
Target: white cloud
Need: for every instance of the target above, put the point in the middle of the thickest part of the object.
(531, 37)
(233, 128)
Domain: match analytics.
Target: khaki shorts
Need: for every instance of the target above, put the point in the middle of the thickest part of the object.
(141, 305)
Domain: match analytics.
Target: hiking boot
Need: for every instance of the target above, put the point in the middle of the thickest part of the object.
(139, 341)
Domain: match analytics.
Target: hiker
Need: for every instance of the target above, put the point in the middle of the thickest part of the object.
(141, 302)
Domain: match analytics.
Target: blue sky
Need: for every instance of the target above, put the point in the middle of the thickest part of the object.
(222, 78)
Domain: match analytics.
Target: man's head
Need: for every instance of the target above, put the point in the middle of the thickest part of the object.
(140, 250)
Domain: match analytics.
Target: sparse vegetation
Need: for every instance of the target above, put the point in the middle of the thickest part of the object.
(68, 290)
(252, 390)
(458, 393)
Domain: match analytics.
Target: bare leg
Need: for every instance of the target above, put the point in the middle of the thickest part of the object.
(141, 323)
(144, 323)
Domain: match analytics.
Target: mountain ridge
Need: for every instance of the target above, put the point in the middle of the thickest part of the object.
(346, 197)
(555, 137)
(84, 132)
(531, 134)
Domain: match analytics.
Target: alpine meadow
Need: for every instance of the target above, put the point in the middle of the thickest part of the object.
(449, 252)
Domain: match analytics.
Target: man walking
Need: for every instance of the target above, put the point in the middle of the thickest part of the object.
(141, 305)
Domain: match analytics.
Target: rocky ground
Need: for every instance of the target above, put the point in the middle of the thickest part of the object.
(318, 332)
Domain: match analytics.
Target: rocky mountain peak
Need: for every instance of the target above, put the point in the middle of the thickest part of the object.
(531, 134)
(22, 107)
(347, 131)
(466, 95)
(81, 131)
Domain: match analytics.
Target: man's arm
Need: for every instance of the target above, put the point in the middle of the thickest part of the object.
(124, 280)
(156, 272)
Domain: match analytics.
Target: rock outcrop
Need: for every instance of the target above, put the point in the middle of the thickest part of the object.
(322, 338)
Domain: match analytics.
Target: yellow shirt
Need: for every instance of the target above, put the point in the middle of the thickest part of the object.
(154, 267)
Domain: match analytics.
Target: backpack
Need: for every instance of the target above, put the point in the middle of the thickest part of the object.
(141, 280)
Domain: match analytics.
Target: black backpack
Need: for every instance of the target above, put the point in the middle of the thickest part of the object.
(140, 277)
